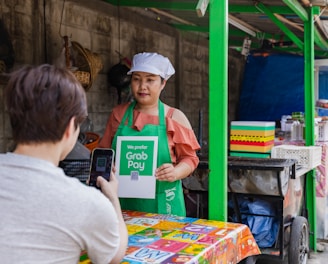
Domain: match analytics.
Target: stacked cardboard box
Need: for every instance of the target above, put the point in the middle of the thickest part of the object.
(252, 136)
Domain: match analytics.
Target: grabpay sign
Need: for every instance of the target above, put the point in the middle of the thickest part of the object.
(137, 156)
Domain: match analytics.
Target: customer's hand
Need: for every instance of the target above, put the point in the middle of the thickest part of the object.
(109, 188)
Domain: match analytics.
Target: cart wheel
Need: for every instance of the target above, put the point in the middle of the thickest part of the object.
(299, 241)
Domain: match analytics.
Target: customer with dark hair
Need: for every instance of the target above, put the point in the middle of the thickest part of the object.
(45, 216)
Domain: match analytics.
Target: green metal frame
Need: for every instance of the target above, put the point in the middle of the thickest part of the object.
(309, 121)
(293, 8)
(218, 84)
(218, 110)
(286, 30)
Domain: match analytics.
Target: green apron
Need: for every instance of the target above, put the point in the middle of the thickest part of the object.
(169, 197)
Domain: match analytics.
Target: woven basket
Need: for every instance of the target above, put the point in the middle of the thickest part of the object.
(95, 60)
(88, 63)
(83, 77)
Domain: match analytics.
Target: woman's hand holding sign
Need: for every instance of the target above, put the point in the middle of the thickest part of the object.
(170, 173)
(166, 172)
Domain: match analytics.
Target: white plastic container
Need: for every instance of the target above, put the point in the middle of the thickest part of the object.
(323, 131)
(297, 131)
(307, 157)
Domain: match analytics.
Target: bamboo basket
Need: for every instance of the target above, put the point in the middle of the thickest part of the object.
(88, 65)
(83, 77)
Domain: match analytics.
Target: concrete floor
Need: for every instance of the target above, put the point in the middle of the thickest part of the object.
(321, 256)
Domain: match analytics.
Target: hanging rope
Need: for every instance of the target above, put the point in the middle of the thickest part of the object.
(61, 18)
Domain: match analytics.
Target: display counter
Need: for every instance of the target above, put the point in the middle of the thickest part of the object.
(156, 238)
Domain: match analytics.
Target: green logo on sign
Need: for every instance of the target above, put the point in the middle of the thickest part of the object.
(137, 156)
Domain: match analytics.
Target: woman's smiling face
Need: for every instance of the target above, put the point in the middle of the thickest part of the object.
(146, 87)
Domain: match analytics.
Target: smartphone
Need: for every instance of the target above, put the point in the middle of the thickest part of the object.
(101, 164)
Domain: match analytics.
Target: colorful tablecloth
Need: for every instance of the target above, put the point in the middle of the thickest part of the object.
(155, 238)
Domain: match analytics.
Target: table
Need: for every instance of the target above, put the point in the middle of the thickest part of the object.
(156, 238)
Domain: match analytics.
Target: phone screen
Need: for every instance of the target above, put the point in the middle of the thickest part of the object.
(101, 164)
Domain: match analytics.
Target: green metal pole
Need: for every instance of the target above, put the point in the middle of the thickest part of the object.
(309, 121)
(281, 25)
(218, 109)
(297, 8)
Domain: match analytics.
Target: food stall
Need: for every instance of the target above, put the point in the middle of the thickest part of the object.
(217, 196)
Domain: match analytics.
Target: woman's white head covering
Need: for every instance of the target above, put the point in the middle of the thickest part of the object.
(153, 63)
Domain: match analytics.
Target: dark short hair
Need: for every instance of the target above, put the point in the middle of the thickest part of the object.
(41, 100)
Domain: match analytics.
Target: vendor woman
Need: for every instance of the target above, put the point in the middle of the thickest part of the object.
(177, 143)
